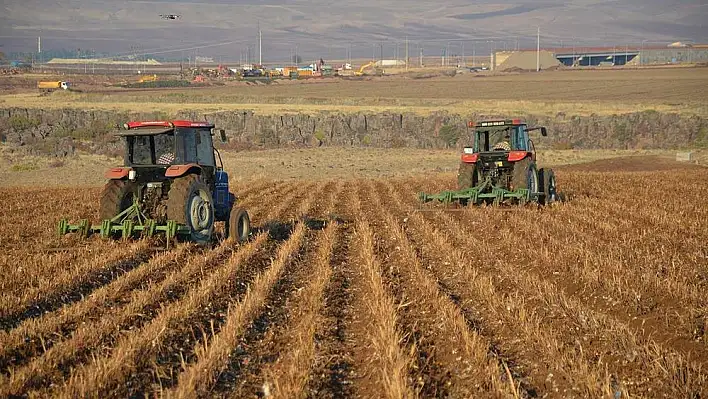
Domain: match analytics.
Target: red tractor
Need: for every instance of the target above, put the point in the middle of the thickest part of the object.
(170, 183)
(500, 167)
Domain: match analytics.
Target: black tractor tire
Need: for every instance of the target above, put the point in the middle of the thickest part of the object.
(190, 203)
(467, 176)
(238, 227)
(548, 186)
(117, 196)
(525, 175)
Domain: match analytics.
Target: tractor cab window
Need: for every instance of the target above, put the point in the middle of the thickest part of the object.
(494, 140)
(164, 149)
(196, 146)
(151, 149)
(508, 138)
(140, 152)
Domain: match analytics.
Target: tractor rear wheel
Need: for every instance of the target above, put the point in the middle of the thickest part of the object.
(117, 196)
(467, 176)
(525, 176)
(238, 227)
(189, 202)
(548, 185)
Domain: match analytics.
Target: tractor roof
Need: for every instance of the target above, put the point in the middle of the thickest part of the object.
(151, 128)
(145, 131)
(496, 123)
(170, 124)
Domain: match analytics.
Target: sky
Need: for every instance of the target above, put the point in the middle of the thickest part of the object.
(228, 29)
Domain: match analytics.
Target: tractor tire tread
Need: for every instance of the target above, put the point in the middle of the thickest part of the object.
(466, 176)
(178, 196)
(111, 197)
(519, 175)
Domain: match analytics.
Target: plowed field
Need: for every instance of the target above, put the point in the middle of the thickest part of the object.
(349, 289)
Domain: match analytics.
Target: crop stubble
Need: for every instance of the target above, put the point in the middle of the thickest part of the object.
(347, 290)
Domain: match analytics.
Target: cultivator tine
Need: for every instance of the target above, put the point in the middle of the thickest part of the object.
(127, 229)
(171, 229)
(63, 227)
(149, 228)
(106, 231)
(84, 228)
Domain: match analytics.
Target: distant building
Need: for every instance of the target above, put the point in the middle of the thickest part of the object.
(390, 63)
(101, 61)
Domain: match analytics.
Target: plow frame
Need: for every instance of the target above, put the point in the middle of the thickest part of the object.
(484, 192)
(129, 222)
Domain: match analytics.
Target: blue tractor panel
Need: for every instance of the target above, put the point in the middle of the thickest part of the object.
(223, 199)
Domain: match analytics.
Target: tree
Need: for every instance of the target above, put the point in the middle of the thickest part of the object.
(2, 56)
(449, 134)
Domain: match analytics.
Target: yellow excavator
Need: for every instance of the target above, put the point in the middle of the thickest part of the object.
(148, 78)
(360, 72)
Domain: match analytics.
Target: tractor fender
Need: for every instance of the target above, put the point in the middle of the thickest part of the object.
(515, 156)
(117, 173)
(181, 170)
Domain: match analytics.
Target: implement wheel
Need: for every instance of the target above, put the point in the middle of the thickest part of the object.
(189, 202)
(467, 176)
(525, 176)
(548, 185)
(238, 227)
(117, 196)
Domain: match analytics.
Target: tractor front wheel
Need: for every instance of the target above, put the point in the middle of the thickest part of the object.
(189, 203)
(117, 196)
(548, 186)
(238, 227)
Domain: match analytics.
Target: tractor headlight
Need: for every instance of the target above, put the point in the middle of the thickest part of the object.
(125, 126)
(131, 175)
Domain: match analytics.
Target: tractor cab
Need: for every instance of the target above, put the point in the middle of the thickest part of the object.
(163, 144)
(508, 136)
(500, 166)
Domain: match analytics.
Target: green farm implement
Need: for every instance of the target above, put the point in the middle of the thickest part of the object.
(483, 193)
(170, 184)
(500, 168)
(126, 224)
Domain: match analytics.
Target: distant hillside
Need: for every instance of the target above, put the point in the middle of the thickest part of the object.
(321, 28)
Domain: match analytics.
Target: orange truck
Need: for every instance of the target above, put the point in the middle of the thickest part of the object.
(50, 86)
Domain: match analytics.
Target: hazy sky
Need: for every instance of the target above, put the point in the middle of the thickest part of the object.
(318, 28)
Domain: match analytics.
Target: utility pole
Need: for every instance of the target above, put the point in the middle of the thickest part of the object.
(464, 62)
(538, 49)
(406, 53)
(421, 56)
(474, 53)
(260, 45)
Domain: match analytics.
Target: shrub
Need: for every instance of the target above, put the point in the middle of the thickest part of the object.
(18, 122)
(449, 134)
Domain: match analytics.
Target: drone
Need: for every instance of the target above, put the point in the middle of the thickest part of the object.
(169, 16)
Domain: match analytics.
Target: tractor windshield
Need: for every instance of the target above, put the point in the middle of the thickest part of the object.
(508, 138)
(195, 146)
(151, 149)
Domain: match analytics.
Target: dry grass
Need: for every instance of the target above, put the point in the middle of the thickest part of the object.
(247, 168)
(291, 373)
(571, 92)
(387, 364)
(596, 297)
